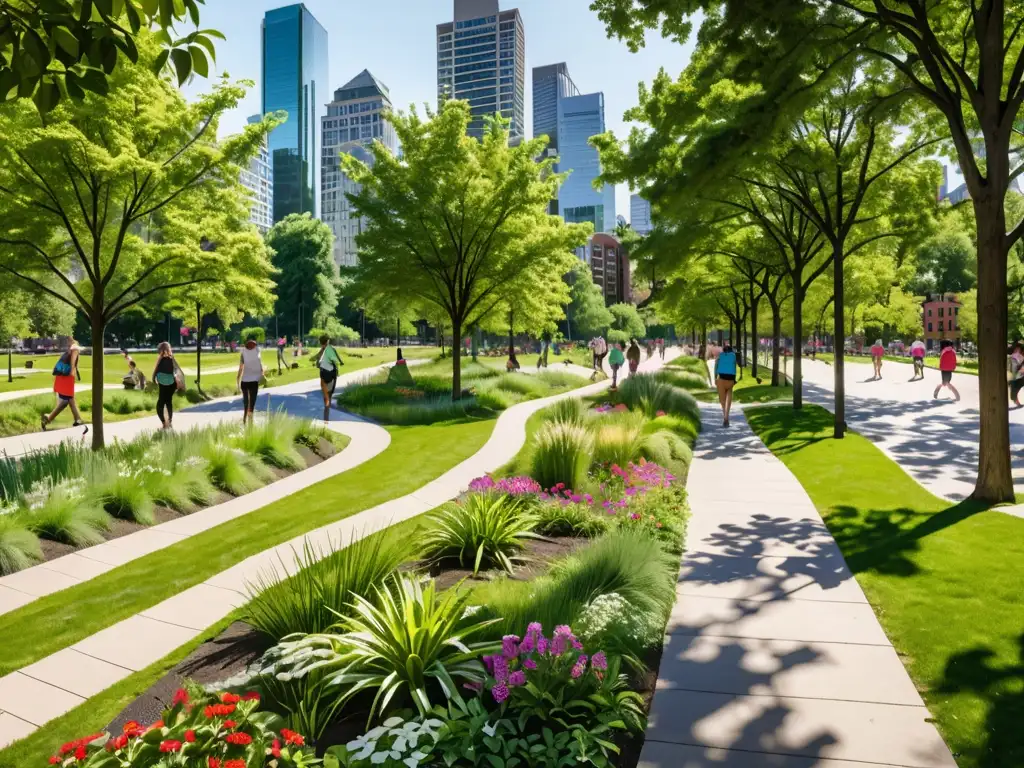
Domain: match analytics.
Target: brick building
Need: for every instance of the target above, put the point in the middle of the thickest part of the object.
(609, 264)
(941, 316)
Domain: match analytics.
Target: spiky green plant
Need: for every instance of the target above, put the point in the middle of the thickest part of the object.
(233, 470)
(65, 514)
(618, 438)
(19, 546)
(561, 454)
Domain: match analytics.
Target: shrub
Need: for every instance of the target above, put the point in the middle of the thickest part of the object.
(666, 448)
(233, 470)
(558, 519)
(568, 410)
(54, 464)
(484, 530)
(126, 403)
(683, 379)
(123, 494)
(273, 440)
(495, 399)
(561, 454)
(64, 513)
(619, 438)
(427, 411)
(324, 585)
(691, 364)
(645, 393)
(19, 547)
(409, 643)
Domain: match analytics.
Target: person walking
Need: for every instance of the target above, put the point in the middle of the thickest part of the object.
(65, 375)
(725, 380)
(877, 353)
(599, 349)
(616, 359)
(917, 351)
(329, 362)
(661, 348)
(1016, 373)
(281, 361)
(166, 374)
(633, 356)
(250, 371)
(947, 364)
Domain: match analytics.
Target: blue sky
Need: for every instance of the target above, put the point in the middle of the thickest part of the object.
(395, 39)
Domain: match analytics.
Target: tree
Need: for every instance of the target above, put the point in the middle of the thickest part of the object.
(49, 317)
(307, 280)
(968, 317)
(626, 319)
(946, 262)
(587, 312)
(457, 222)
(965, 64)
(96, 196)
(58, 48)
(14, 305)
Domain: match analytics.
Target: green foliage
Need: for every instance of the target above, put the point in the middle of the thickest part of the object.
(644, 392)
(619, 438)
(561, 454)
(627, 320)
(557, 519)
(587, 312)
(308, 277)
(233, 470)
(125, 495)
(409, 643)
(667, 449)
(273, 440)
(480, 532)
(686, 379)
(254, 332)
(19, 546)
(324, 585)
(568, 410)
(62, 513)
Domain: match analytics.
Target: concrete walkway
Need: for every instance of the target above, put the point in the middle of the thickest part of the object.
(773, 656)
(49, 688)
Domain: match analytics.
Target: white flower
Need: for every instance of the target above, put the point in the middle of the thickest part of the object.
(489, 729)
(393, 722)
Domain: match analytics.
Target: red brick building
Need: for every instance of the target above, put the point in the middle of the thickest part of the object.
(941, 315)
(609, 263)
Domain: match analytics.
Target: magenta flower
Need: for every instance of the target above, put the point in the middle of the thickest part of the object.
(529, 663)
(542, 645)
(499, 692)
(489, 664)
(600, 661)
(579, 668)
(500, 669)
(517, 678)
(635, 516)
(510, 646)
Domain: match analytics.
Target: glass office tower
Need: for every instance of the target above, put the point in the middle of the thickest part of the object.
(579, 118)
(551, 84)
(295, 81)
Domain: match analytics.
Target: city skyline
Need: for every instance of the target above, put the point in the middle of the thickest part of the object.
(397, 42)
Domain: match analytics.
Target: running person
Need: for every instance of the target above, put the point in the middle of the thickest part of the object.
(165, 374)
(250, 371)
(616, 359)
(329, 362)
(65, 374)
(877, 353)
(947, 364)
(725, 380)
(917, 351)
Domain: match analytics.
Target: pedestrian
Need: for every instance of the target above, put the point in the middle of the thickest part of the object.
(661, 348)
(250, 371)
(281, 361)
(1016, 373)
(65, 375)
(917, 351)
(877, 353)
(725, 380)
(650, 348)
(947, 364)
(633, 356)
(329, 362)
(512, 364)
(616, 359)
(598, 349)
(169, 378)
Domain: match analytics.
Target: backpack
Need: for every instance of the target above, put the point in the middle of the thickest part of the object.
(63, 366)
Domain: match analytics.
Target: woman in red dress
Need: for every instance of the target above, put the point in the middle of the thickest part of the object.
(65, 373)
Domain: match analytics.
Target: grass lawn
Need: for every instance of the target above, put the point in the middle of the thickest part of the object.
(416, 456)
(93, 713)
(962, 366)
(946, 580)
(747, 390)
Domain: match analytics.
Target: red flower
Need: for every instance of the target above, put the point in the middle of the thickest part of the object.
(54, 760)
(291, 737)
(156, 725)
(229, 724)
(190, 736)
(213, 762)
(239, 739)
(132, 729)
(66, 748)
(275, 748)
(236, 763)
(180, 697)
(251, 696)
(120, 742)
(170, 746)
(218, 710)
(80, 753)
(230, 698)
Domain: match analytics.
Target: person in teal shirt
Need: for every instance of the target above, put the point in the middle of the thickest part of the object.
(616, 359)
(329, 361)
(725, 380)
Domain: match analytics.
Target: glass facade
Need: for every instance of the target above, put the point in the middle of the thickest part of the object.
(580, 118)
(295, 81)
(640, 215)
(258, 178)
(551, 84)
(481, 58)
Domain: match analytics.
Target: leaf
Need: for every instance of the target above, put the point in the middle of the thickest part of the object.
(207, 43)
(161, 61)
(182, 64)
(73, 85)
(199, 62)
(67, 41)
(34, 46)
(47, 96)
(94, 80)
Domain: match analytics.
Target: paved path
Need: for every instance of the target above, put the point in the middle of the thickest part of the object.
(773, 656)
(935, 441)
(49, 688)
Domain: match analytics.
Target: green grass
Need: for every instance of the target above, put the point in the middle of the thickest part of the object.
(416, 456)
(747, 390)
(944, 579)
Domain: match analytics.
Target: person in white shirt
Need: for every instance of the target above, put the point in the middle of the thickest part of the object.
(250, 371)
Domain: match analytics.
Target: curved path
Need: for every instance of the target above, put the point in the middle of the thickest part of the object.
(49, 688)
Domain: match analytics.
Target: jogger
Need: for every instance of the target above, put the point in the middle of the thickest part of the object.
(725, 380)
(947, 364)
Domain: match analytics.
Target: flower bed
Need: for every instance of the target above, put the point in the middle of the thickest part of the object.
(551, 670)
(56, 501)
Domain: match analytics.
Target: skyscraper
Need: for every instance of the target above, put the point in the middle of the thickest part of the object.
(579, 118)
(295, 80)
(551, 84)
(481, 57)
(258, 178)
(354, 120)
(640, 215)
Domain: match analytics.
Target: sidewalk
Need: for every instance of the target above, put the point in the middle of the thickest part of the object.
(773, 656)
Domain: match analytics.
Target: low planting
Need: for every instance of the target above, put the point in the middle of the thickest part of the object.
(69, 494)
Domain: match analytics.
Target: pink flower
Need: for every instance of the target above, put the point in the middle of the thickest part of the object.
(489, 664)
(660, 414)
(501, 669)
(578, 669)
(635, 516)
(510, 646)
(600, 661)
(517, 678)
(530, 664)
(542, 645)
(499, 692)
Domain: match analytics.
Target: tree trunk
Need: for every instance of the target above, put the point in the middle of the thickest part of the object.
(98, 327)
(995, 479)
(10, 364)
(776, 342)
(798, 332)
(753, 333)
(839, 348)
(199, 348)
(456, 361)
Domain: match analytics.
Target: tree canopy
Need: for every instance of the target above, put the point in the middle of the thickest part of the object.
(307, 283)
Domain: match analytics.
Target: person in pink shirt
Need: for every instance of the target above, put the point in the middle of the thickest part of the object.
(947, 364)
(877, 352)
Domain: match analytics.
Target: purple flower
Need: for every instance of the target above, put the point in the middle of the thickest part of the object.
(588, 498)
(527, 645)
(489, 664)
(576, 498)
(542, 645)
(500, 669)
(606, 504)
(484, 483)
(529, 663)
(600, 661)
(534, 628)
(559, 644)
(517, 678)
(578, 669)
(499, 692)
(576, 644)
(635, 516)
(563, 629)
(510, 646)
